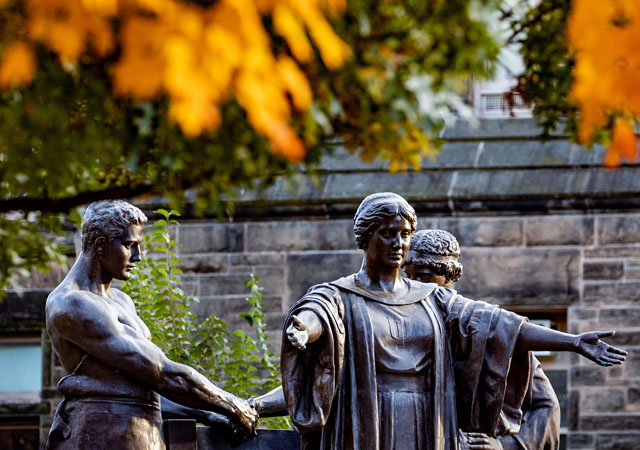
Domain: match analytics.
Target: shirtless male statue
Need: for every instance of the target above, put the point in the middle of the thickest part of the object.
(433, 258)
(112, 395)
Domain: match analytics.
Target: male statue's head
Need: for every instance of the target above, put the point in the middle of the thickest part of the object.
(433, 258)
(111, 233)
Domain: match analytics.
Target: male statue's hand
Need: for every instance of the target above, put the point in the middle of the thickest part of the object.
(222, 425)
(590, 346)
(246, 414)
(297, 333)
(478, 441)
(211, 419)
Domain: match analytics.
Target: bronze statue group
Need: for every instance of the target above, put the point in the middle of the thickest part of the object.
(370, 361)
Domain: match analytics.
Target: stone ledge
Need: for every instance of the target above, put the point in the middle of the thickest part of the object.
(184, 435)
(496, 129)
(265, 440)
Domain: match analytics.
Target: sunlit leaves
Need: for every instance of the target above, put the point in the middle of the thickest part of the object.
(161, 97)
(548, 61)
(582, 62)
(200, 57)
(27, 244)
(17, 66)
(624, 143)
(606, 39)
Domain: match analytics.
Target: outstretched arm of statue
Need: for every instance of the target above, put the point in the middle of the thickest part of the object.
(304, 328)
(271, 404)
(589, 345)
(86, 321)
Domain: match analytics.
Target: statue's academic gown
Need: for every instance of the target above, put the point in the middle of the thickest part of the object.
(478, 380)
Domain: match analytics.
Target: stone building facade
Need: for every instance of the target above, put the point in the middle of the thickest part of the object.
(544, 231)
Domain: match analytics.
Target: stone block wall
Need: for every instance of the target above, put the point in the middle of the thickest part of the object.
(586, 266)
(543, 228)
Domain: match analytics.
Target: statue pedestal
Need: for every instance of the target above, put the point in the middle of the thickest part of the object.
(185, 435)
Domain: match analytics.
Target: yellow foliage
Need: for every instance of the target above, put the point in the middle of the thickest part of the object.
(139, 72)
(17, 65)
(104, 7)
(194, 116)
(289, 27)
(199, 57)
(335, 6)
(68, 27)
(332, 49)
(606, 39)
(623, 143)
(295, 83)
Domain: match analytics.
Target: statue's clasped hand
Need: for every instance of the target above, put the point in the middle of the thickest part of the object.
(297, 333)
(247, 415)
(590, 346)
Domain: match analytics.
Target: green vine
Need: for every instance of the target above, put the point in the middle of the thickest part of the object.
(238, 362)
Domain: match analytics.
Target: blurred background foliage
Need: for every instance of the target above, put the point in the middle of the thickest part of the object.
(128, 98)
(240, 361)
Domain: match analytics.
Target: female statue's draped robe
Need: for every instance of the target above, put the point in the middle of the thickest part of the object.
(477, 378)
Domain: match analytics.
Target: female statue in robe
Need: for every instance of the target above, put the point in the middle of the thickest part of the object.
(374, 361)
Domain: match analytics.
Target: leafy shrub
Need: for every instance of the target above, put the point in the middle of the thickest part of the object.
(240, 363)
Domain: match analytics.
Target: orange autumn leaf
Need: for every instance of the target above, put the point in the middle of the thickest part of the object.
(295, 83)
(289, 27)
(605, 36)
(139, 72)
(18, 64)
(194, 116)
(333, 50)
(623, 143)
(104, 7)
(285, 141)
(199, 57)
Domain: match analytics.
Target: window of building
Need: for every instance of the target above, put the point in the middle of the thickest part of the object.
(493, 99)
(20, 369)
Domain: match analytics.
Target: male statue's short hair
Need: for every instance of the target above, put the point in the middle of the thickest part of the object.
(427, 244)
(108, 218)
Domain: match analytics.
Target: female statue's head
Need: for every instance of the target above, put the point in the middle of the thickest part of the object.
(377, 208)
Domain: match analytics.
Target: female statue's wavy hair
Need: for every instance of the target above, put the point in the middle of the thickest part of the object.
(377, 208)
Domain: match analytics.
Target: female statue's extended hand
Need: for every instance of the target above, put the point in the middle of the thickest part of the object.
(297, 333)
(590, 346)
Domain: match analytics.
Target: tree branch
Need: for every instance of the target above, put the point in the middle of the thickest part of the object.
(65, 204)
